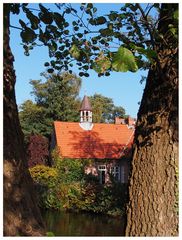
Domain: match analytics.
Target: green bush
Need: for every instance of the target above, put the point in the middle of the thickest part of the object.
(44, 175)
(46, 180)
(65, 186)
(70, 170)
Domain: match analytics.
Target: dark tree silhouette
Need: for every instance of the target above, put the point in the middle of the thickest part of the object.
(153, 184)
(21, 214)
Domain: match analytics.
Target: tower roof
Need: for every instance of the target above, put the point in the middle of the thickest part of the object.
(85, 104)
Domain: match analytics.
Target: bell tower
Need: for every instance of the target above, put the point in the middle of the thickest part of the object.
(86, 114)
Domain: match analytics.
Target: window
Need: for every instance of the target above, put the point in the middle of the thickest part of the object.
(86, 116)
(115, 171)
(102, 173)
(102, 167)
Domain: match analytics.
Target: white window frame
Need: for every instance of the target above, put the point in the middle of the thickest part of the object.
(101, 168)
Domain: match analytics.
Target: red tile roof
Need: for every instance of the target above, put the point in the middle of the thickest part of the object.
(104, 141)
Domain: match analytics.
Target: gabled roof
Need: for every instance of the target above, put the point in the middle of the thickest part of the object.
(85, 104)
(104, 141)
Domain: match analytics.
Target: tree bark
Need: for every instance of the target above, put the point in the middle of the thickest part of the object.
(153, 190)
(21, 214)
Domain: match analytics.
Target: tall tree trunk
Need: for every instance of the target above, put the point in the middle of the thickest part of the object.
(153, 187)
(21, 214)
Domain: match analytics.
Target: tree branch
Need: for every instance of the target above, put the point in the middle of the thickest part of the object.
(16, 27)
(146, 23)
(149, 10)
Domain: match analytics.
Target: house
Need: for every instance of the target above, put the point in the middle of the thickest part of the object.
(108, 145)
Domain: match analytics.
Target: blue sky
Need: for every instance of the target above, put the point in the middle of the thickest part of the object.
(124, 88)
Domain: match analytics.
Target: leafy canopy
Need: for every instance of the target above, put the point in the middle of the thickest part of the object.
(121, 40)
(33, 119)
(104, 110)
(56, 98)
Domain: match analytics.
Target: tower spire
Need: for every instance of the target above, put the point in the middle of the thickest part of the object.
(86, 114)
(85, 106)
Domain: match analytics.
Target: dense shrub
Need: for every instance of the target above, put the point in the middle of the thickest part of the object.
(70, 170)
(112, 199)
(37, 150)
(44, 175)
(65, 186)
(46, 180)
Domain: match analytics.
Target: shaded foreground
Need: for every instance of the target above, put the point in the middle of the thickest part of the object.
(82, 224)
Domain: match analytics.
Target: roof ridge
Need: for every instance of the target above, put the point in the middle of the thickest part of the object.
(64, 122)
(108, 124)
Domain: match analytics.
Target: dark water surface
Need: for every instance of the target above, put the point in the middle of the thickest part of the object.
(82, 224)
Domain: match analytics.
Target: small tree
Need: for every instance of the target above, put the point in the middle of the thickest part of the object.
(33, 119)
(37, 150)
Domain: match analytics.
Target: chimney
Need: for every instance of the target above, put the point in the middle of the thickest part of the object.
(119, 120)
(131, 121)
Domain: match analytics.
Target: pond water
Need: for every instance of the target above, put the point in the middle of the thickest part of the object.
(82, 224)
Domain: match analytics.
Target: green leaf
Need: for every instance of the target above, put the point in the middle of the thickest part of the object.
(101, 64)
(46, 64)
(66, 32)
(42, 8)
(101, 20)
(50, 70)
(22, 23)
(89, 5)
(68, 10)
(106, 32)
(149, 53)
(34, 20)
(173, 31)
(58, 54)
(94, 10)
(176, 14)
(75, 52)
(59, 19)
(97, 21)
(86, 74)
(52, 46)
(28, 35)
(124, 61)
(80, 35)
(113, 16)
(81, 74)
(15, 8)
(45, 16)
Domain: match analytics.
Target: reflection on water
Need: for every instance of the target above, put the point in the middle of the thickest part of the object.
(82, 224)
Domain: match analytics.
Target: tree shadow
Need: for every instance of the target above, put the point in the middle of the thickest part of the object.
(89, 145)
